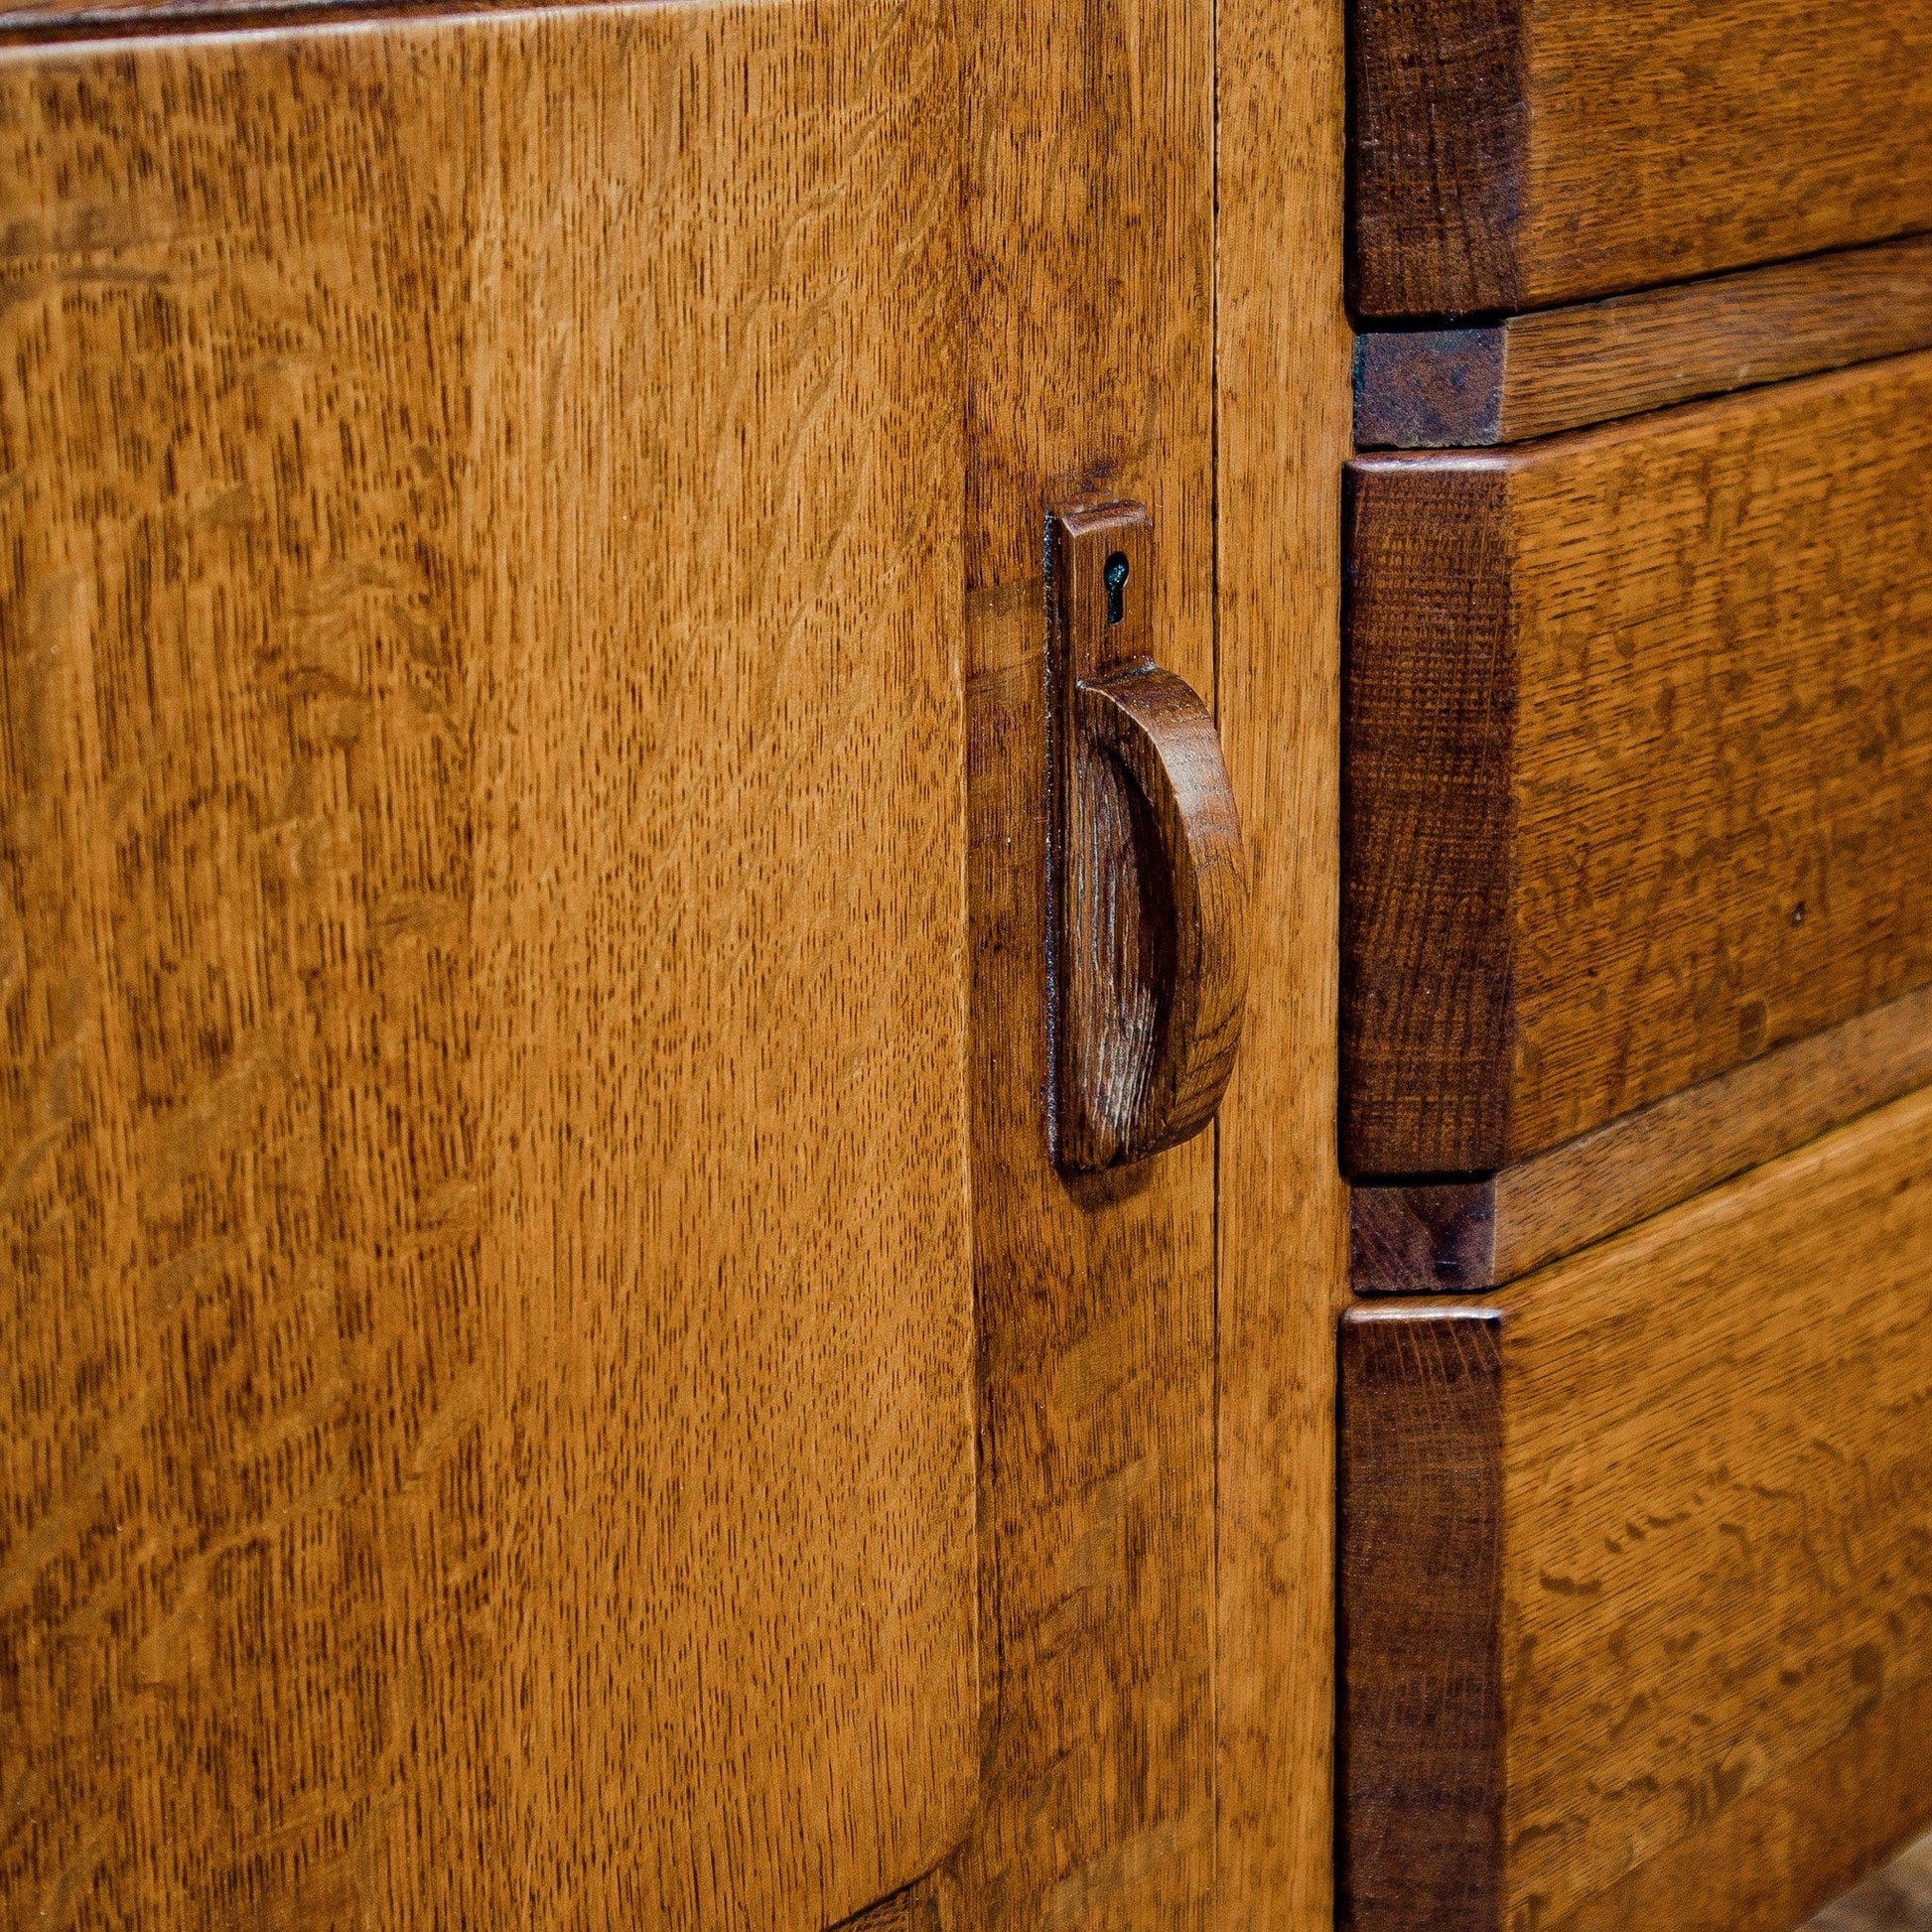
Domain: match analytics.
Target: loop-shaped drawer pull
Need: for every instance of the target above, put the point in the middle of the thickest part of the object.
(1148, 955)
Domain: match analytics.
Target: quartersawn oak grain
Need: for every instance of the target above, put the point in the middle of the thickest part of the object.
(927, 1906)
(1088, 149)
(1470, 1235)
(1712, 1631)
(1280, 357)
(1428, 851)
(481, 1428)
(1511, 155)
(1638, 732)
(1561, 368)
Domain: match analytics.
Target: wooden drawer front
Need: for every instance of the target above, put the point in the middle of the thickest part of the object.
(486, 1323)
(1636, 1565)
(1638, 741)
(1516, 156)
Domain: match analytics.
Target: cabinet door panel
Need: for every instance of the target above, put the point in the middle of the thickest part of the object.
(487, 1338)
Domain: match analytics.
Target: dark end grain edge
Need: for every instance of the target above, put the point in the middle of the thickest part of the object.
(1431, 1238)
(1429, 389)
(1429, 715)
(1564, 369)
(1426, 1240)
(1420, 1742)
(1438, 132)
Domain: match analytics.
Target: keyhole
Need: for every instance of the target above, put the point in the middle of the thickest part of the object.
(1116, 580)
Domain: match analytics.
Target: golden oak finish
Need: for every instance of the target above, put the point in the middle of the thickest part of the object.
(1088, 144)
(1281, 350)
(1639, 735)
(1476, 1234)
(1561, 369)
(1712, 1633)
(487, 1437)
(1803, 1835)
(927, 1906)
(1517, 154)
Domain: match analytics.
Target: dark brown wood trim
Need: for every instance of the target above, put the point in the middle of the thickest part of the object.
(57, 20)
(1537, 374)
(1420, 1742)
(1428, 704)
(1427, 1240)
(1436, 153)
(1429, 389)
(1424, 1240)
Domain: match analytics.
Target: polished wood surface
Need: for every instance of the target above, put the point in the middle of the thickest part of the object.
(1153, 727)
(1638, 738)
(1089, 257)
(1478, 1234)
(928, 1906)
(1712, 1632)
(1282, 432)
(1561, 368)
(1430, 707)
(1147, 959)
(1420, 1717)
(482, 1429)
(1518, 157)
(1806, 1833)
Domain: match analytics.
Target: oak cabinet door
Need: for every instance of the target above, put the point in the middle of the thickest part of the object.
(487, 1338)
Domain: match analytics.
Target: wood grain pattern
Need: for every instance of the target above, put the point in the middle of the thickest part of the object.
(1153, 727)
(1148, 957)
(1089, 261)
(1430, 835)
(1715, 1567)
(1420, 1717)
(1806, 1833)
(1282, 412)
(1517, 157)
(482, 1429)
(928, 1906)
(1561, 368)
(1639, 730)
(1472, 1235)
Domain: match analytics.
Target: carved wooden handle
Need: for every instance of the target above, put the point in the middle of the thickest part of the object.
(1148, 950)
(1164, 739)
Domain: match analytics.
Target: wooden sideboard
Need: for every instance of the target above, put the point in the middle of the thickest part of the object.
(559, 1366)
